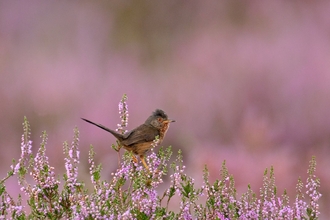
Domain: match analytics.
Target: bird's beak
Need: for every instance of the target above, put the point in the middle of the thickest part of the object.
(169, 121)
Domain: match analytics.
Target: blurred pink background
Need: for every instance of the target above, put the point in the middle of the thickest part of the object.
(247, 82)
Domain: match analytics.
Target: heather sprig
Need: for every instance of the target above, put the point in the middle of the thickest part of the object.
(312, 186)
(300, 205)
(44, 193)
(123, 112)
(71, 162)
(133, 192)
(25, 162)
(221, 196)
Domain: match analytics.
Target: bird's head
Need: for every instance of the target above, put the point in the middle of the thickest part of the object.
(158, 119)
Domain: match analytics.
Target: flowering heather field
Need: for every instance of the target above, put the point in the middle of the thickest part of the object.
(133, 192)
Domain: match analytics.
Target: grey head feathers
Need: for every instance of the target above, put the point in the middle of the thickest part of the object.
(160, 113)
(152, 120)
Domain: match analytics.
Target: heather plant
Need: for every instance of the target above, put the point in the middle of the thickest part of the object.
(132, 192)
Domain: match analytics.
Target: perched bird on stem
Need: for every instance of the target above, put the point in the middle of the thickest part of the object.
(140, 139)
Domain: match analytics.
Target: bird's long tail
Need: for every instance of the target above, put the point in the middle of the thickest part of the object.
(117, 135)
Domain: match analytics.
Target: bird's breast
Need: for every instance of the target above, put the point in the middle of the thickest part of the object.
(140, 148)
(163, 131)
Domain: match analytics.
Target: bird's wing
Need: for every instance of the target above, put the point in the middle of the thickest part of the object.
(141, 134)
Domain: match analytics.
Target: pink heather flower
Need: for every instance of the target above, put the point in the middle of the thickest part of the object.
(155, 142)
(286, 213)
(314, 195)
(221, 216)
(176, 179)
(11, 206)
(312, 189)
(15, 169)
(145, 200)
(26, 151)
(72, 161)
(123, 112)
(92, 167)
(154, 163)
(185, 211)
(42, 178)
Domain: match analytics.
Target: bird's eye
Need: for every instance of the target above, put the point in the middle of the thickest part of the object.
(160, 119)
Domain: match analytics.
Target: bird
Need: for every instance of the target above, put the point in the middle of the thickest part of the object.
(140, 139)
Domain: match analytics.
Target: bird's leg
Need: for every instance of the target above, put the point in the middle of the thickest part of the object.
(134, 159)
(143, 162)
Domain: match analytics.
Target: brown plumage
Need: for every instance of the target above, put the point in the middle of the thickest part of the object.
(139, 139)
